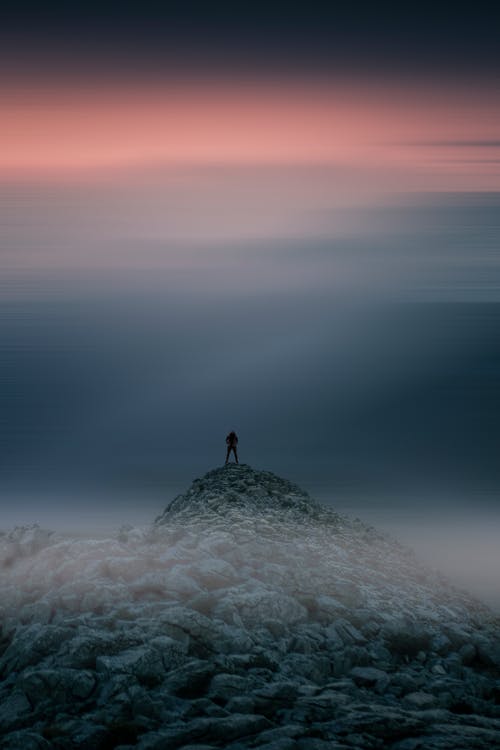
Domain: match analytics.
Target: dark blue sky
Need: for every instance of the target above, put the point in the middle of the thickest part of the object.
(448, 36)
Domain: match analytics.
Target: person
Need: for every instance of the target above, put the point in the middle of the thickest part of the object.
(232, 442)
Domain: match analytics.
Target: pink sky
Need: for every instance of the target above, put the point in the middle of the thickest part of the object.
(418, 136)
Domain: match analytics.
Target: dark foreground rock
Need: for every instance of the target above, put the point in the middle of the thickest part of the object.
(247, 616)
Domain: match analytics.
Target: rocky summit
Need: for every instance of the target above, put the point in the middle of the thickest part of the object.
(247, 616)
(237, 488)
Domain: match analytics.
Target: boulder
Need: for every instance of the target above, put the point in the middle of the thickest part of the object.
(367, 676)
(420, 700)
(60, 685)
(142, 662)
(14, 711)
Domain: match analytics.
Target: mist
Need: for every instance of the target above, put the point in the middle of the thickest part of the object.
(362, 364)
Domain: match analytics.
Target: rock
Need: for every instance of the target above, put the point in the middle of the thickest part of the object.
(405, 640)
(441, 644)
(349, 593)
(173, 653)
(348, 633)
(438, 669)
(488, 652)
(314, 743)
(193, 629)
(191, 709)
(207, 730)
(285, 743)
(322, 707)
(248, 609)
(379, 721)
(141, 662)
(214, 573)
(315, 668)
(87, 736)
(25, 740)
(181, 582)
(402, 683)
(226, 686)
(191, 680)
(241, 705)
(367, 676)
(32, 644)
(329, 608)
(83, 650)
(451, 735)
(249, 616)
(414, 743)
(59, 685)
(13, 711)
(276, 694)
(420, 700)
(467, 653)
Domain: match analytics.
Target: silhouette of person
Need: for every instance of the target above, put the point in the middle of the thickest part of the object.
(232, 442)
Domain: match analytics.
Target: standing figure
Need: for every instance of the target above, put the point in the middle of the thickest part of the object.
(232, 442)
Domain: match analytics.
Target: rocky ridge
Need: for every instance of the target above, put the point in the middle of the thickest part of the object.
(247, 616)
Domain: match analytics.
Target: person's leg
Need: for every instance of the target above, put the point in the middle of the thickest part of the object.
(235, 454)
(228, 452)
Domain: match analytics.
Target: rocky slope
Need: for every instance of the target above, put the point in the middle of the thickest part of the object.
(247, 616)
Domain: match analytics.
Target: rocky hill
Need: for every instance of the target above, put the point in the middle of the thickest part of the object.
(248, 615)
(238, 487)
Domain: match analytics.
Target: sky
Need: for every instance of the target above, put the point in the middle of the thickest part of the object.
(283, 221)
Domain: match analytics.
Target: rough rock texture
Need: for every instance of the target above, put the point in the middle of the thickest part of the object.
(247, 616)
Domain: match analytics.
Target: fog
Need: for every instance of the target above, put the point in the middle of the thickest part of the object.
(362, 363)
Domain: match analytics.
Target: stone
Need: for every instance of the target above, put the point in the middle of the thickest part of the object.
(441, 644)
(329, 608)
(60, 685)
(348, 633)
(241, 705)
(86, 736)
(141, 662)
(315, 743)
(207, 730)
(380, 722)
(172, 652)
(488, 652)
(182, 581)
(25, 740)
(248, 616)
(438, 669)
(322, 707)
(13, 711)
(191, 680)
(31, 645)
(367, 676)
(259, 606)
(467, 653)
(214, 573)
(420, 700)
(82, 650)
(226, 686)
